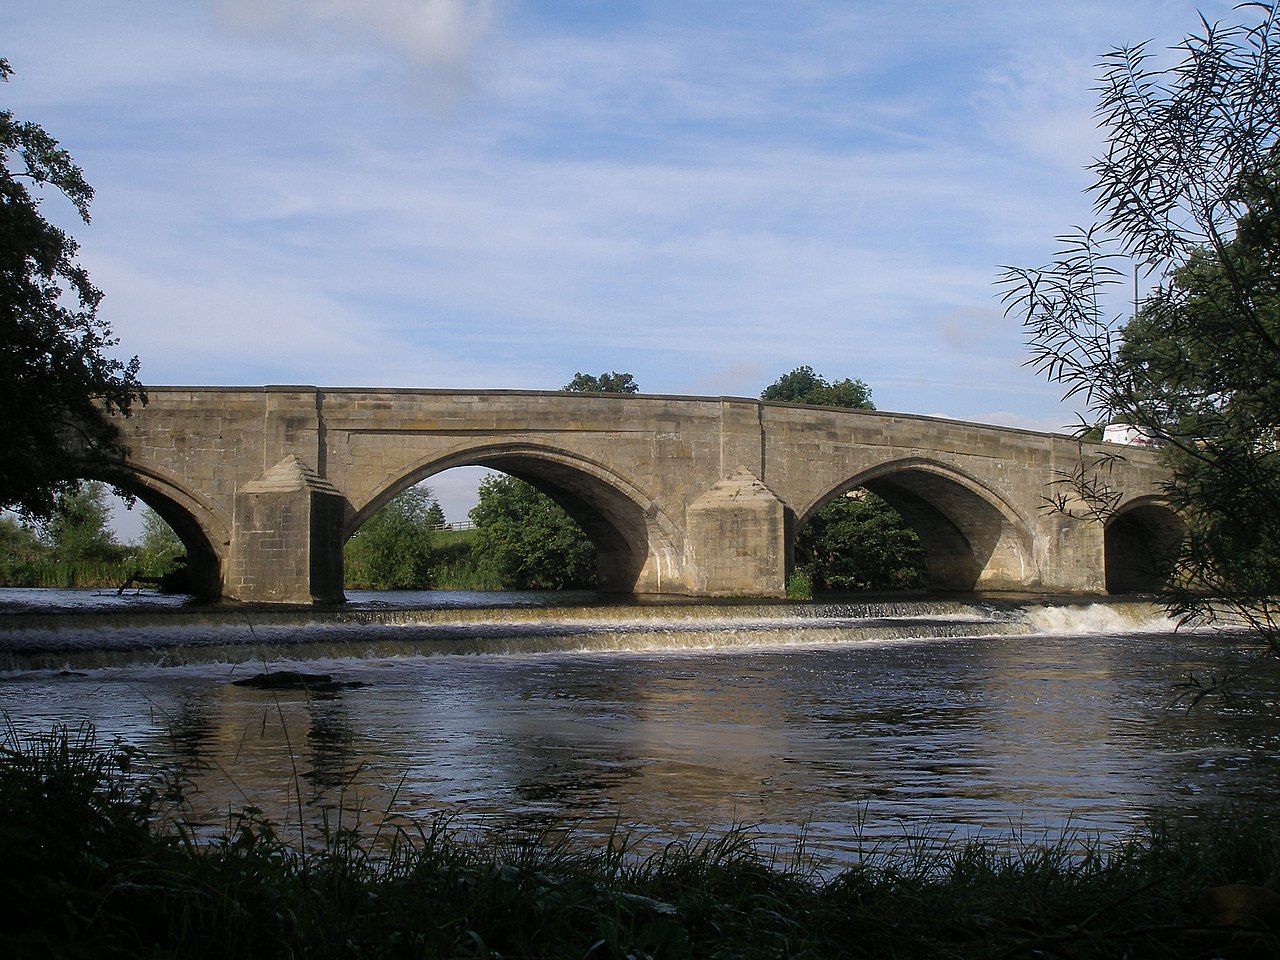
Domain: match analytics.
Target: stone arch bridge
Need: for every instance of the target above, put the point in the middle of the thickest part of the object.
(700, 496)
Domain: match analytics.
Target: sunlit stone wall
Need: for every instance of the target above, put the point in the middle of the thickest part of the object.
(693, 495)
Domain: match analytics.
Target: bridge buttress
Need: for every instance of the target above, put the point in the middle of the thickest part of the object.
(286, 529)
(736, 540)
(286, 542)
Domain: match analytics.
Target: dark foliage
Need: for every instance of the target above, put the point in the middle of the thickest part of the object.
(860, 543)
(1187, 195)
(612, 382)
(802, 385)
(526, 541)
(394, 548)
(57, 381)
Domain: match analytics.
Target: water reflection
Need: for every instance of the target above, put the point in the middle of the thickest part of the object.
(841, 739)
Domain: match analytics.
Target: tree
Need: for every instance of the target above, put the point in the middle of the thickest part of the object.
(435, 514)
(854, 542)
(802, 385)
(1186, 194)
(19, 541)
(393, 550)
(80, 527)
(57, 384)
(527, 541)
(859, 542)
(20, 550)
(612, 382)
(159, 547)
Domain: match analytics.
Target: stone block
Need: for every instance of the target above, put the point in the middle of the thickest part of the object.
(286, 541)
(737, 539)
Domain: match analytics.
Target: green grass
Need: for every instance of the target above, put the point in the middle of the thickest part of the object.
(95, 862)
(453, 565)
(68, 574)
(446, 538)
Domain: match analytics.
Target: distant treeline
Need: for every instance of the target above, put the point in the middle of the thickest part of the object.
(78, 549)
(519, 539)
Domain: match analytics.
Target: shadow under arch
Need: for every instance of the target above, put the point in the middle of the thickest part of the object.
(204, 536)
(1141, 543)
(636, 543)
(972, 538)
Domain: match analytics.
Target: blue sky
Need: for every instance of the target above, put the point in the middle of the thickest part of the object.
(499, 193)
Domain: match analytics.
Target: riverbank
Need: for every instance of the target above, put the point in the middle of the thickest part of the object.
(96, 863)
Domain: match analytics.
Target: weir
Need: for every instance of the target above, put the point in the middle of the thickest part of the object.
(110, 634)
(697, 496)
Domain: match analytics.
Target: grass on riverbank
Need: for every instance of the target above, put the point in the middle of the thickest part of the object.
(69, 574)
(93, 864)
(453, 568)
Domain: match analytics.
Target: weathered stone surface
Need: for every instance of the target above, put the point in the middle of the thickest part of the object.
(737, 536)
(695, 495)
(287, 543)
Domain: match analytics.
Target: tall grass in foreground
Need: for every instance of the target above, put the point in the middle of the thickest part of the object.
(95, 862)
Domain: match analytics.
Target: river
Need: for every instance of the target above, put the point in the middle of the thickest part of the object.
(844, 724)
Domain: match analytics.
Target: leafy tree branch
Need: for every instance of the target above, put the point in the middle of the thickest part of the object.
(58, 382)
(1187, 195)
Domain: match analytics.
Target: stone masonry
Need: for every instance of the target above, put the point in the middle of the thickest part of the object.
(687, 495)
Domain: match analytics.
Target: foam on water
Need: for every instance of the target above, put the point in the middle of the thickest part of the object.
(1097, 618)
(74, 633)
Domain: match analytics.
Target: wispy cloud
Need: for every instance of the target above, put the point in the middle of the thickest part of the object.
(706, 201)
(437, 39)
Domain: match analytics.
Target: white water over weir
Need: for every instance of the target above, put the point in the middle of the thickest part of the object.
(36, 638)
(844, 723)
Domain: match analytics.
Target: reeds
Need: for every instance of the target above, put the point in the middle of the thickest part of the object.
(68, 574)
(95, 862)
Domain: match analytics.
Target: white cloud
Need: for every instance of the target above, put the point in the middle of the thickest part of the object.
(438, 39)
(704, 201)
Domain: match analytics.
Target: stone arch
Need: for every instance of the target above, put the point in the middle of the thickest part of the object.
(203, 533)
(1141, 542)
(638, 547)
(973, 539)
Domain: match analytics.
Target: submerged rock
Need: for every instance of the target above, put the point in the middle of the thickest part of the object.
(296, 680)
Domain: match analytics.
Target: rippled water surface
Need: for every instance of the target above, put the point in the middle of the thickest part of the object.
(841, 722)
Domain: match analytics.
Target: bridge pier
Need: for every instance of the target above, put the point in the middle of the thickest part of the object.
(1072, 553)
(286, 539)
(737, 544)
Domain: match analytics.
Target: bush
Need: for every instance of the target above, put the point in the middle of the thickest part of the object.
(799, 586)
